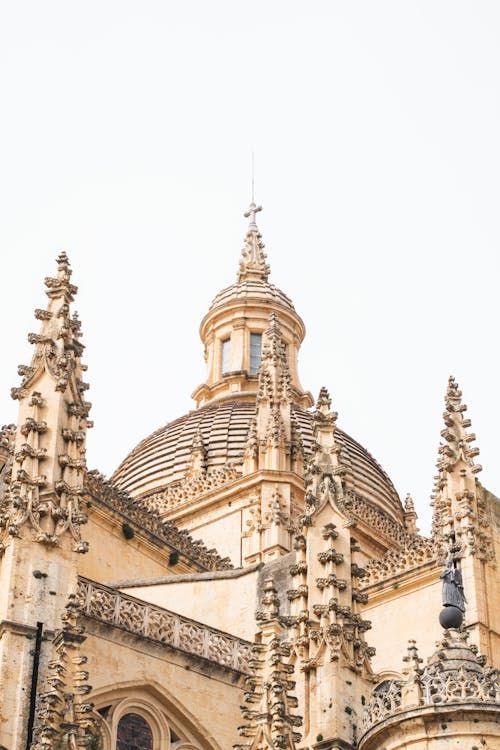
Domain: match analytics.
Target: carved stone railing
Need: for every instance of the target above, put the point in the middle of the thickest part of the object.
(419, 551)
(436, 688)
(377, 519)
(112, 607)
(182, 492)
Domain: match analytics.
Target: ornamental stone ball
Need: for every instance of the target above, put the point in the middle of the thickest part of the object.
(451, 617)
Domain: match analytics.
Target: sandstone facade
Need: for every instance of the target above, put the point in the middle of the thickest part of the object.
(249, 576)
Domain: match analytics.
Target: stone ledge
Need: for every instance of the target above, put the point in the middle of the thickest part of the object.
(186, 577)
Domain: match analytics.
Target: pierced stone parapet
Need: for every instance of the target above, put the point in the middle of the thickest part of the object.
(420, 551)
(454, 675)
(182, 492)
(377, 519)
(112, 607)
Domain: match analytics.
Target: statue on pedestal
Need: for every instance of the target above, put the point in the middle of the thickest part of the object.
(453, 588)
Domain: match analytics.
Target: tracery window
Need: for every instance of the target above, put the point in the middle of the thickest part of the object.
(255, 352)
(137, 720)
(134, 733)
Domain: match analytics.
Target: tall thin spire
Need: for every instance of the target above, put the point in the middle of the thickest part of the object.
(253, 177)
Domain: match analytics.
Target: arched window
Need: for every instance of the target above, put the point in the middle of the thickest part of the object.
(255, 352)
(226, 355)
(134, 733)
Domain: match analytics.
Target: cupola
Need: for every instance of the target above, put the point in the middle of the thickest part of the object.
(234, 328)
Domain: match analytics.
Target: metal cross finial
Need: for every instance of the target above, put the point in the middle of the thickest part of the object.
(250, 214)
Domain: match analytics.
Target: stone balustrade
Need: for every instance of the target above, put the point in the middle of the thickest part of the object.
(112, 607)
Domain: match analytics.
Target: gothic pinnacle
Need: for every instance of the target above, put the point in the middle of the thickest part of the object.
(457, 439)
(323, 404)
(459, 518)
(47, 478)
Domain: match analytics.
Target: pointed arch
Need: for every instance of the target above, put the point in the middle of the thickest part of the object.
(164, 713)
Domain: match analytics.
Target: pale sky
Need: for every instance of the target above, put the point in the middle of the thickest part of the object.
(126, 131)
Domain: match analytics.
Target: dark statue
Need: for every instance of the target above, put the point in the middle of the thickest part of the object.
(453, 588)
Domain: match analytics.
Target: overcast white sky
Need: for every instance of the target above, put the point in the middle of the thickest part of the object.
(125, 137)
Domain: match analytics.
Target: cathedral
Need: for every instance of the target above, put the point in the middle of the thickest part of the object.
(248, 577)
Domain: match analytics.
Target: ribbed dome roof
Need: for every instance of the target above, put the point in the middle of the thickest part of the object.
(250, 288)
(162, 458)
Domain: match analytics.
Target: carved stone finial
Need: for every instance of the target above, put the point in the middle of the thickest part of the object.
(273, 348)
(324, 401)
(197, 460)
(412, 660)
(253, 258)
(410, 515)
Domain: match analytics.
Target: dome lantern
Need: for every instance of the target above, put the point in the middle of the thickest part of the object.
(233, 329)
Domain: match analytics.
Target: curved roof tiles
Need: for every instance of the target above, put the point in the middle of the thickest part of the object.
(162, 458)
(249, 288)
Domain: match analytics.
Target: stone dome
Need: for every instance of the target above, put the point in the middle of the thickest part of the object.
(252, 287)
(162, 458)
(251, 336)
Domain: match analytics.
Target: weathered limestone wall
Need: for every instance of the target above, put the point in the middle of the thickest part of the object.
(201, 697)
(225, 601)
(492, 582)
(399, 610)
(35, 582)
(219, 528)
(407, 607)
(112, 556)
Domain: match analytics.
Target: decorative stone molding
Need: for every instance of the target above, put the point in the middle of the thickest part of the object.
(268, 702)
(149, 519)
(139, 618)
(65, 717)
(7, 441)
